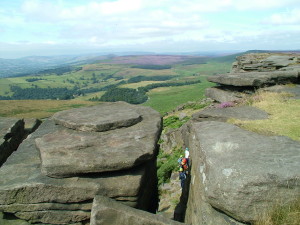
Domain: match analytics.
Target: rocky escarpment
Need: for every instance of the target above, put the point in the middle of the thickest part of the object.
(236, 175)
(263, 62)
(57, 171)
(253, 71)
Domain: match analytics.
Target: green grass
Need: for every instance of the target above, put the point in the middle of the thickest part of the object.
(174, 122)
(4, 86)
(166, 99)
(210, 68)
(38, 108)
(140, 84)
(286, 214)
(166, 164)
(283, 113)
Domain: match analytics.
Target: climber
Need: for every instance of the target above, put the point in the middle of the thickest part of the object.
(180, 160)
(184, 165)
(187, 156)
(182, 176)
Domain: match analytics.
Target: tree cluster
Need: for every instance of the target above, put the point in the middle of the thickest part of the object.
(40, 93)
(135, 96)
(33, 79)
(149, 78)
(60, 70)
(156, 85)
(129, 95)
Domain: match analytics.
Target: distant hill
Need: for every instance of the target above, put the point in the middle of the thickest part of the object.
(153, 59)
(34, 64)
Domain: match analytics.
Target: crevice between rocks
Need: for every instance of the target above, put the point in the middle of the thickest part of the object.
(180, 209)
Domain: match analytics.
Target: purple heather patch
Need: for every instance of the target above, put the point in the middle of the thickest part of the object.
(225, 104)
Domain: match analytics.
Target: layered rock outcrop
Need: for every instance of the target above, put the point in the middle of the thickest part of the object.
(253, 71)
(57, 171)
(263, 62)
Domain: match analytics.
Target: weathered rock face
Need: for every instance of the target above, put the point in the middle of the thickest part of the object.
(256, 79)
(28, 189)
(4, 221)
(253, 71)
(262, 62)
(108, 211)
(11, 134)
(238, 172)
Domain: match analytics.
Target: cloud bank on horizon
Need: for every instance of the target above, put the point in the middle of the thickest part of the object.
(48, 27)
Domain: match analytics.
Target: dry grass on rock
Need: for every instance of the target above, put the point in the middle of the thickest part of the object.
(283, 113)
(288, 214)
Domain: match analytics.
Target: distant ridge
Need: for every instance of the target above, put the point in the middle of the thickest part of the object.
(34, 64)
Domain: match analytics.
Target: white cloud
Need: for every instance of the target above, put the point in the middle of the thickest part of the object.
(142, 22)
(262, 4)
(286, 18)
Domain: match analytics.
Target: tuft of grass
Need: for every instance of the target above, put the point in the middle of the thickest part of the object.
(166, 163)
(174, 122)
(288, 214)
(283, 113)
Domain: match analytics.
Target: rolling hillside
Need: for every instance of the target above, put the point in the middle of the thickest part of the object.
(163, 81)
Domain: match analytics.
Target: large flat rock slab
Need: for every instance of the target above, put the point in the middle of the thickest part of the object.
(223, 114)
(108, 211)
(66, 152)
(103, 117)
(256, 79)
(241, 173)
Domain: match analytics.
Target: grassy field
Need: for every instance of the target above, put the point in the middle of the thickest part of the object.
(284, 115)
(140, 84)
(102, 74)
(166, 99)
(39, 109)
(207, 69)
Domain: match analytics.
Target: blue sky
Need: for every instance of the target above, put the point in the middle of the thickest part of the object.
(54, 27)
